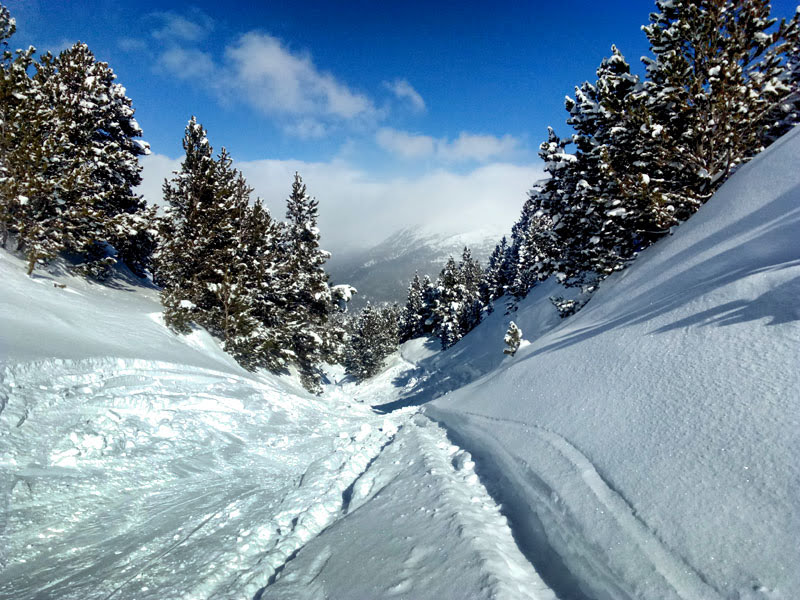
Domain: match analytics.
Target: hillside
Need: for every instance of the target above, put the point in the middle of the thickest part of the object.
(644, 448)
(651, 441)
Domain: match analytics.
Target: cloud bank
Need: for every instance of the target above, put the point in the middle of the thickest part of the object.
(359, 210)
(466, 147)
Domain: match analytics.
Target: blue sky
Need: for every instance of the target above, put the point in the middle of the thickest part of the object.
(394, 112)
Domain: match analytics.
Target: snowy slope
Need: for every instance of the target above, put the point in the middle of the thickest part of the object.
(137, 463)
(648, 447)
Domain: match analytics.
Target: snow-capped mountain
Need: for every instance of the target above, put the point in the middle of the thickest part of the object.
(382, 273)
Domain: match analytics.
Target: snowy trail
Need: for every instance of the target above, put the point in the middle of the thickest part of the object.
(426, 528)
(124, 478)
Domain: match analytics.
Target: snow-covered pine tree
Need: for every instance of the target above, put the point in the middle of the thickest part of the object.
(551, 199)
(493, 284)
(471, 274)
(594, 225)
(211, 263)
(23, 162)
(716, 74)
(512, 339)
(414, 314)
(374, 337)
(233, 248)
(259, 339)
(449, 304)
(784, 77)
(308, 298)
(430, 298)
(177, 262)
(89, 141)
(533, 249)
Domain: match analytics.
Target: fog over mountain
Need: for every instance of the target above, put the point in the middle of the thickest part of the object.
(382, 273)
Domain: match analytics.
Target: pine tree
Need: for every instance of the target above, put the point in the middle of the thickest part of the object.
(716, 75)
(209, 262)
(23, 162)
(534, 250)
(178, 261)
(430, 298)
(512, 339)
(493, 284)
(258, 338)
(448, 307)
(70, 161)
(471, 275)
(414, 314)
(375, 336)
(308, 298)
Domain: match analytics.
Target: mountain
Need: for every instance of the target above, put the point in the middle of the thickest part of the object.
(382, 273)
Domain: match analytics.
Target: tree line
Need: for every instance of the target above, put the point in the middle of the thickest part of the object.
(69, 149)
(722, 83)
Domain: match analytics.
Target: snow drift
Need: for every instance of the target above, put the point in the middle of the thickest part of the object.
(648, 447)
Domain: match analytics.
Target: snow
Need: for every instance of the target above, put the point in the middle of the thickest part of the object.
(644, 448)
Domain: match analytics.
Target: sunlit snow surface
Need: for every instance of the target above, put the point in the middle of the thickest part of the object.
(653, 440)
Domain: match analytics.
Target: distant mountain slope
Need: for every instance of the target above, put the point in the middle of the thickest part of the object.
(651, 442)
(383, 272)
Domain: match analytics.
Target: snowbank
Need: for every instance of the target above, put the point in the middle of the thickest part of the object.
(652, 440)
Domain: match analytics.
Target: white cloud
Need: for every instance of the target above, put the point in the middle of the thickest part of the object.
(178, 28)
(188, 63)
(129, 44)
(306, 129)
(259, 70)
(407, 145)
(405, 91)
(466, 147)
(276, 80)
(357, 209)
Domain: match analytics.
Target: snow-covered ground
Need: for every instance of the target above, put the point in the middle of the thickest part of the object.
(646, 448)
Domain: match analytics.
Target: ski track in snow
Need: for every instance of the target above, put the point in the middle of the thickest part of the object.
(583, 516)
